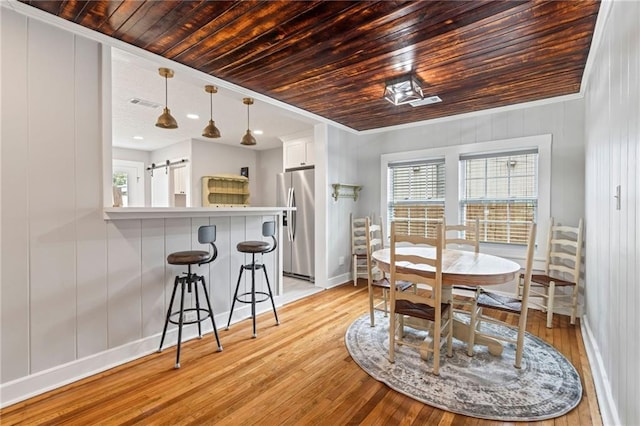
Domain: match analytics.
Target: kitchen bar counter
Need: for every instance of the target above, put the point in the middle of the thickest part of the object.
(115, 213)
(145, 236)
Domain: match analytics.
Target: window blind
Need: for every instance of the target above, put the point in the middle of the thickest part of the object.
(501, 189)
(416, 196)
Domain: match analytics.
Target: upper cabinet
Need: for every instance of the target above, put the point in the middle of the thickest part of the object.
(298, 151)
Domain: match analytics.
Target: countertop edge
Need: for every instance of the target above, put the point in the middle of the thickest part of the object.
(119, 213)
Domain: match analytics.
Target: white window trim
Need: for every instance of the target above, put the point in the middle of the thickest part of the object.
(452, 154)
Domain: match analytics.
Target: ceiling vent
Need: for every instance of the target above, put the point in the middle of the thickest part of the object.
(144, 103)
(426, 101)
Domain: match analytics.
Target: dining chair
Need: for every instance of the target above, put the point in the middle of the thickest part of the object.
(558, 285)
(376, 278)
(463, 237)
(422, 305)
(486, 299)
(358, 248)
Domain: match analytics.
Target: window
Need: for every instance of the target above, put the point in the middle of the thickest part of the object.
(416, 196)
(506, 183)
(502, 191)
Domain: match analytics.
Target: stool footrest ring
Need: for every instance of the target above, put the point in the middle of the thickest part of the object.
(206, 316)
(262, 293)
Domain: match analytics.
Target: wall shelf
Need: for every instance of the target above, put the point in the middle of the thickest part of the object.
(345, 190)
(225, 190)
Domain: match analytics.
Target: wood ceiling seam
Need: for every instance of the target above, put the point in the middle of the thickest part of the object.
(291, 38)
(202, 30)
(233, 31)
(326, 49)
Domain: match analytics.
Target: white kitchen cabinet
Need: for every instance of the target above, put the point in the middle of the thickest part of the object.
(298, 153)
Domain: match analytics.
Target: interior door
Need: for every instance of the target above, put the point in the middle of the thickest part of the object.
(128, 177)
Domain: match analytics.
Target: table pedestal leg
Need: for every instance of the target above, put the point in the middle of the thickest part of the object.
(460, 332)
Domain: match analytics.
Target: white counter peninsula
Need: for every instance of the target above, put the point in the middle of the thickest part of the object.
(140, 238)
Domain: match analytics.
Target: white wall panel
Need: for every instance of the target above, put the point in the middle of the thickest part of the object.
(153, 277)
(222, 278)
(562, 119)
(220, 159)
(79, 291)
(203, 270)
(237, 233)
(91, 230)
(14, 308)
(612, 132)
(124, 282)
(178, 237)
(51, 184)
(270, 259)
(268, 165)
(253, 231)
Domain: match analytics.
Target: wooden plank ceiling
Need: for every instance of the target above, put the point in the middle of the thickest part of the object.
(332, 58)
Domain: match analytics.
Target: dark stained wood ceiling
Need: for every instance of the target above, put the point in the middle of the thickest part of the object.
(332, 58)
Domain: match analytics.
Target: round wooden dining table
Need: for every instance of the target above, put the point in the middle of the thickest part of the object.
(459, 267)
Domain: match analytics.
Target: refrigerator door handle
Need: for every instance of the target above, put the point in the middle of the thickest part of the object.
(291, 214)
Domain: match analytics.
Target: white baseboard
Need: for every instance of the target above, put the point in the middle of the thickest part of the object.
(339, 280)
(44, 381)
(608, 409)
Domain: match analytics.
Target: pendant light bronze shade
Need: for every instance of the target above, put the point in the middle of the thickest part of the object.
(248, 138)
(211, 131)
(166, 120)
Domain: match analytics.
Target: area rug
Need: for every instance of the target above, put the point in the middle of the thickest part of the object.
(483, 386)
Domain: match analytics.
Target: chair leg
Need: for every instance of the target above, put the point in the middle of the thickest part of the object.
(522, 325)
(437, 332)
(273, 304)
(551, 295)
(450, 333)
(183, 284)
(475, 312)
(213, 321)
(385, 298)
(392, 337)
(355, 270)
(519, 287)
(574, 304)
(235, 296)
(166, 321)
(371, 308)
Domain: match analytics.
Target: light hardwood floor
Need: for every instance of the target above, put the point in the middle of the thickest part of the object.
(297, 373)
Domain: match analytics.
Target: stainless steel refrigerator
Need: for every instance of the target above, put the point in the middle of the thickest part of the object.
(295, 189)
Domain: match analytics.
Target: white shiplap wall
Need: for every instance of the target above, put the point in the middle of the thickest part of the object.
(563, 120)
(612, 266)
(80, 294)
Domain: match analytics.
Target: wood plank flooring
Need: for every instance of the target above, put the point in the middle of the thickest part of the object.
(298, 373)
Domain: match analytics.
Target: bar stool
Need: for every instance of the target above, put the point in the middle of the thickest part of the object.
(206, 235)
(256, 247)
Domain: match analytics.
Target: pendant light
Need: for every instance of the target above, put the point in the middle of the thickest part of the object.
(211, 131)
(166, 121)
(248, 138)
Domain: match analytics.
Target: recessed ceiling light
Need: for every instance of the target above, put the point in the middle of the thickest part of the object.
(258, 132)
(138, 138)
(193, 116)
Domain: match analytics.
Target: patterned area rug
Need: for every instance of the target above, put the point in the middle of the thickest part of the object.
(482, 386)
